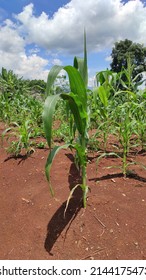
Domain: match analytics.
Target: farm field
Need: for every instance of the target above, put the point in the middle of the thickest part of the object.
(85, 146)
(33, 225)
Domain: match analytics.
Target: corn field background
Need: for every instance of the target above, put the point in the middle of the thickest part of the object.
(87, 146)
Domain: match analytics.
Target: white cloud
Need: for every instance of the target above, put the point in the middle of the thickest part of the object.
(13, 55)
(34, 50)
(108, 58)
(32, 67)
(56, 61)
(105, 22)
(10, 40)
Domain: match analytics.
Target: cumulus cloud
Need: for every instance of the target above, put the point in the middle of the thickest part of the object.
(10, 40)
(104, 26)
(105, 22)
(13, 54)
(32, 67)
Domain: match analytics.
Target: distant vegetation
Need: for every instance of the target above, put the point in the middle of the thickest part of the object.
(124, 50)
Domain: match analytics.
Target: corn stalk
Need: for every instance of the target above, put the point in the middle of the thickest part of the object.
(77, 103)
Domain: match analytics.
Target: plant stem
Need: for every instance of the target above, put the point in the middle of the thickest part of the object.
(124, 161)
(84, 173)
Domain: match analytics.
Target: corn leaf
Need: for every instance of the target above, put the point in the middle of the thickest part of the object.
(49, 108)
(130, 93)
(49, 162)
(52, 77)
(95, 92)
(76, 106)
(81, 64)
(79, 96)
(69, 198)
(105, 155)
(103, 95)
(77, 84)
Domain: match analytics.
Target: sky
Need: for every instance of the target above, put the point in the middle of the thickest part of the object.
(37, 34)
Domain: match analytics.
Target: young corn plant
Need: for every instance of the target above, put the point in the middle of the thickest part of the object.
(125, 129)
(126, 122)
(101, 95)
(20, 138)
(139, 108)
(77, 103)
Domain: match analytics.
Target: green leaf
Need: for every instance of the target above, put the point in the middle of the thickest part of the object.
(95, 92)
(77, 85)
(81, 64)
(79, 96)
(52, 77)
(130, 93)
(106, 155)
(49, 161)
(103, 94)
(49, 108)
(76, 107)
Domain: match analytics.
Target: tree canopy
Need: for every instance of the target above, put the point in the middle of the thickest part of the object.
(125, 49)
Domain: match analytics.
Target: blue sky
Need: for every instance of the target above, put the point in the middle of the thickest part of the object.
(16, 6)
(36, 34)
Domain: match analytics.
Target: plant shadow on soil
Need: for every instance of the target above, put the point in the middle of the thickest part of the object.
(21, 157)
(61, 219)
(119, 175)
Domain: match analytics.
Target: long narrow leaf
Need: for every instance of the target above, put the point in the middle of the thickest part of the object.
(81, 64)
(77, 85)
(80, 115)
(49, 161)
(52, 77)
(126, 91)
(49, 108)
(105, 155)
(103, 95)
(69, 198)
(95, 92)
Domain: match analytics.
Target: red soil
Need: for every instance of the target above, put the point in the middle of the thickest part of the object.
(33, 225)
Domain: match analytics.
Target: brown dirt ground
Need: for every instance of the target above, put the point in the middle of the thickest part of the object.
(32, 223)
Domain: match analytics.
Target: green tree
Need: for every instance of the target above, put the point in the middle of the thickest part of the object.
(128, 49)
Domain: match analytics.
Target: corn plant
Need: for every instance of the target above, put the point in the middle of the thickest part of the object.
(126, 122)
(139, 108)
(5, 109)
(77, 103)
(20, 138)
(123, 119)
(125, 129)
(103, 95)
(103, 99)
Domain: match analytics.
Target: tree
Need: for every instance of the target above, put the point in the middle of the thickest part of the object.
(122, 51)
